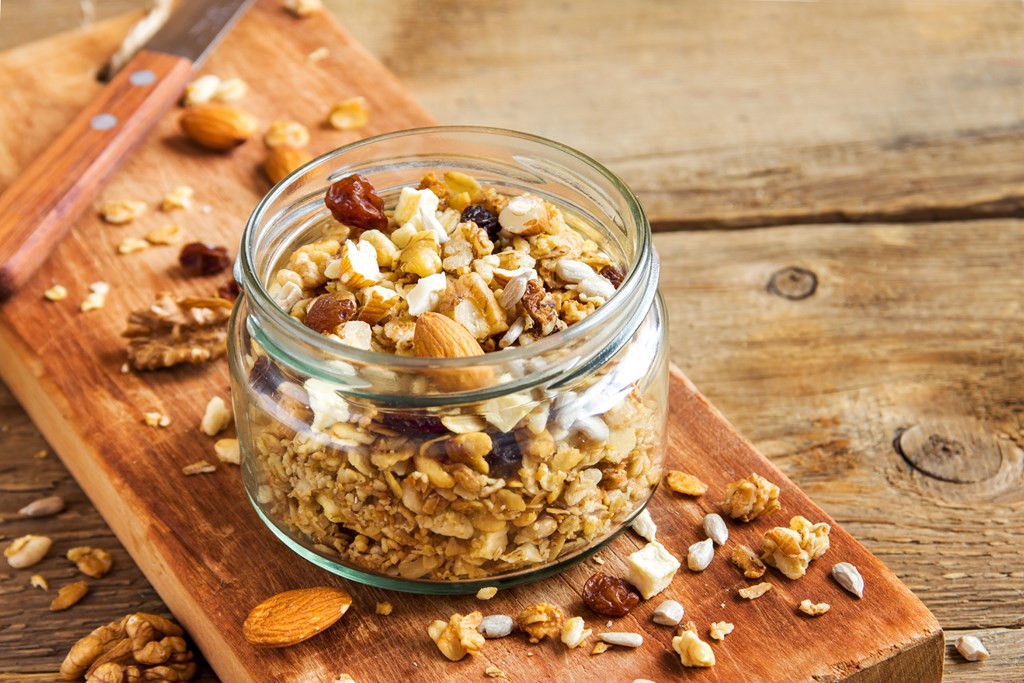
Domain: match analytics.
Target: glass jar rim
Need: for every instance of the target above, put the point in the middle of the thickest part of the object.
(641, 277)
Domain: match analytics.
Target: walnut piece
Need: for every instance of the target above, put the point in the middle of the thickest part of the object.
(685, 483)
(748, 562)
(755, 591)
(139, 647)
(541, 621)
(750, 498)
(69, 595)
(791, 549)
(459, 636)
(94, 562)
(692, 651)
(814, 609)
(720, 629)
(173, 331)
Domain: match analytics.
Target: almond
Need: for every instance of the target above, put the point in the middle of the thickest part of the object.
(294, 616)
(217, 126)
(281, 161)
(438, 336)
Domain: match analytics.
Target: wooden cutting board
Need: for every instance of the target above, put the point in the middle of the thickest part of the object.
(198, 540)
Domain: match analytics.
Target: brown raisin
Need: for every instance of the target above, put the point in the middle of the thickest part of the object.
(613, 275)
(229, 290)
(198, 258)
(609, 596)
(484, 219)
(328, 311)
(353, 201)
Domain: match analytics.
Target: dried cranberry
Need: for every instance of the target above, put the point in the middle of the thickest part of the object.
(505, 457)
(484, 219)
(328, 311)
(197, 258)
(353, 201)
(609, 596)
(414, 424)
(613, 275)
(265, 377)
(229, 290)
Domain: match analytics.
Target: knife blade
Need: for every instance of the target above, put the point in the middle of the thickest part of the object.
(44, 201)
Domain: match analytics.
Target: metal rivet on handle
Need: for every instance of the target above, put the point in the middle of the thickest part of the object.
(142, 77)
(103, 122)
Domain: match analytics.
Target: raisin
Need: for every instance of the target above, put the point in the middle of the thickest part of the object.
(328, 311)
(613, 275)
(353, 201)
(505, 457)
(197, 258)
(229, 290)
(484, 219)
(609, 596)
(265, 377)
(407, 424)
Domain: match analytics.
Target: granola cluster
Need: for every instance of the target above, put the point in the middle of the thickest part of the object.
(475, 489)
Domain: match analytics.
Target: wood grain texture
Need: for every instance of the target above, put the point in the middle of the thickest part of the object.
(42, 205)
(732, 113)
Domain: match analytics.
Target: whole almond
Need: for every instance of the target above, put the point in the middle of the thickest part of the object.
(281, 161)
(218, 126)
(294, 616)
(438, 336)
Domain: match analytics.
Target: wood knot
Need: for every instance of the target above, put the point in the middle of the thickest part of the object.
(793, 283)
(948, 453)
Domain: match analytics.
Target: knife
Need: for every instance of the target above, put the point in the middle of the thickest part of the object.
(41, 205)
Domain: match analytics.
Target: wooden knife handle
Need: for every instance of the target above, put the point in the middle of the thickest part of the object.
(42, 204)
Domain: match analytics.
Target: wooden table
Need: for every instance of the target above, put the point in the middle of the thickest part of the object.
(874, 147)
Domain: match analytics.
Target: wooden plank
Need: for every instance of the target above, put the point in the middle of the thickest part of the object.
(733, 114)
(909, 326)
(168, 522)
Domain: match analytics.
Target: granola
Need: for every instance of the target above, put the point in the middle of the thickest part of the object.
(476, 490)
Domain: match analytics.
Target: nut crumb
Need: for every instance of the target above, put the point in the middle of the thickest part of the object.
(216, 417)
(165, 234)
(459, 636)
(56, 293)
(720, 629)
(130, 245)
(97, 297)
(94, 562)
(600, 647)
(318, 54)
(156, 419)
(598, 559)
(747, 561)
(349, 114)
(121, 211)
(971, 649)
(685, 483)
(494, 672)
(41, 454)
(68, 595)
(486, 593)
(303, 8)
(178, 198)
(199, 467)
(812, 609)
(755, 591)
(575, 632)
(286, 134)
(38, 581)
(231, 90)
(228, 451)
(383, 608)
(750, 498)
(541, 621)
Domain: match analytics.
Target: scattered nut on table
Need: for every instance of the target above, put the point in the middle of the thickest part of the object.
(575, 632)
(94, 562)
(293, 616)
(43, 507)
(668, 613)
(27, 550)
(848, 576)
(692, 651)
(216, 417)
(68, 595)
(644, 526)
(459, 636)
(747, 561)
(750, 498)
(720, 629)
(715, 527)
(495, 626)
(138, 647)
(790, 550)
(700, 555)
(541, 621)
(755, 591)
(813, 609)
(971, 648)
(685, 483)
(622, 639)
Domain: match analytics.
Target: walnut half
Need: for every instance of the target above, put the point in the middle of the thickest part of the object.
(173, 331)
(139, 647)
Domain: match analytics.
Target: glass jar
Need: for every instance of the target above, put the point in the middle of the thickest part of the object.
(352, 457)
